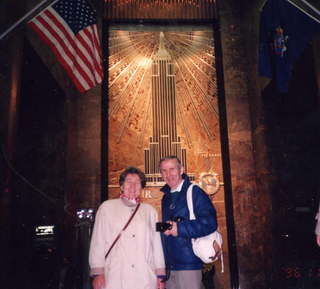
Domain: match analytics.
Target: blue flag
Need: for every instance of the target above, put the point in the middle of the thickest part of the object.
(285, 31)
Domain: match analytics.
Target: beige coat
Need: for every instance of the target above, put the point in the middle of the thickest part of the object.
(137, 257)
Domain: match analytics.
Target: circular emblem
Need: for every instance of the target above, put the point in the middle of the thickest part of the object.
(209, 182)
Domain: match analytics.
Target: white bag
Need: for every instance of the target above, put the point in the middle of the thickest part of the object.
(207, 248)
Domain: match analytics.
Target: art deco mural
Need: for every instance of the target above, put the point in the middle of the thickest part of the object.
(163, 101)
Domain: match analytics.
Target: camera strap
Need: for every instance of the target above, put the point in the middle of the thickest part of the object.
(124, 227)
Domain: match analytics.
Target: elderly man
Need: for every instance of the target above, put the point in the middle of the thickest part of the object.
(185, 267)
(136, 260)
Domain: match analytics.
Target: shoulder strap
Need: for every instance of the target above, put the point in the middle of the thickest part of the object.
(125, 227)
(190, 202)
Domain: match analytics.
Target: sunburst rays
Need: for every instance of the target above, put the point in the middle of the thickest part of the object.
(129, 89)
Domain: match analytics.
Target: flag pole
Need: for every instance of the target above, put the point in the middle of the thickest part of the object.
(23, 18)
(262, 5)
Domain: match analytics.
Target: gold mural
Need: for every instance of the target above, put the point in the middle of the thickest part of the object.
(162, 101)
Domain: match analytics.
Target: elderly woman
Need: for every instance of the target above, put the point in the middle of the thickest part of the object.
(136, 260)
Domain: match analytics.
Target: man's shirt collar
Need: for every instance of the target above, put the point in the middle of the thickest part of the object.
(178, 188)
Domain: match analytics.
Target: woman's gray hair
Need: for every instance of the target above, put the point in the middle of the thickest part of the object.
(134, 171)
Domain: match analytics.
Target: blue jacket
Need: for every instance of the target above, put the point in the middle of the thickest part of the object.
(178, 250)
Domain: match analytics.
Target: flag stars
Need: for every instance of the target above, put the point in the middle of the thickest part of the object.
(77, 13)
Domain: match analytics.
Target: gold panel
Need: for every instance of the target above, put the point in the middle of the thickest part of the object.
(162, 99)
(160, 9)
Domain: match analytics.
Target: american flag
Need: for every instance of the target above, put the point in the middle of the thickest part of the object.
(69, 28)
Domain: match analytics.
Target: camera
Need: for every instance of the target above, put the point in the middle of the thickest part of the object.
(162, 226)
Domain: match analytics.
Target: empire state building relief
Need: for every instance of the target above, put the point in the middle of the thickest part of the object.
(165, 140)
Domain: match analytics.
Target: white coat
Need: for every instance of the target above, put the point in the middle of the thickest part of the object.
(137, 258)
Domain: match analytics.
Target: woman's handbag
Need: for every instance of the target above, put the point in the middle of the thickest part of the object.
(124, 227)
(207, 248)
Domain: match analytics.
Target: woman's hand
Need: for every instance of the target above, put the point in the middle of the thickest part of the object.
(160, 284)
(99, 282)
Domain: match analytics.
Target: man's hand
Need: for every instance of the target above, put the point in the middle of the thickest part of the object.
(173, 231)
(318, 240)
(99, 282)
